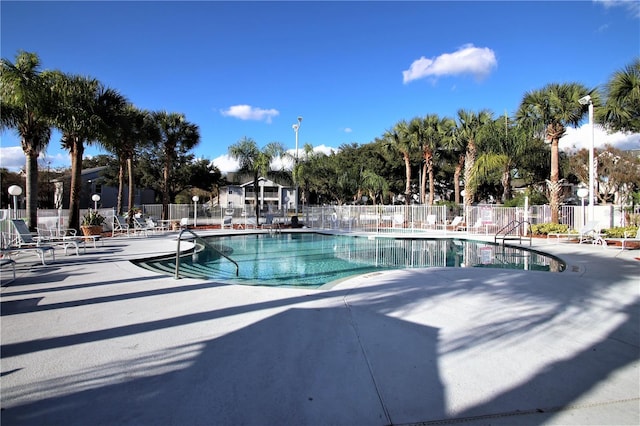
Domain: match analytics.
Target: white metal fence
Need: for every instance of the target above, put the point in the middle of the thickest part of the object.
(480, 219)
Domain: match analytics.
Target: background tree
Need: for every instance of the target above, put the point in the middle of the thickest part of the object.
(133, 128)
(85, 113)
(468, 127)
(25, 102)
(175, 133)
(255, 161)
(621, 112)
(375, 185)
(401, 140)
(436, 133)
(618, 173)
(548, 112)
(504, 147)
(204, 175)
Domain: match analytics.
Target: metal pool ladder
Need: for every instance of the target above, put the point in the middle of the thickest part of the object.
(514, 230)
(196, 236)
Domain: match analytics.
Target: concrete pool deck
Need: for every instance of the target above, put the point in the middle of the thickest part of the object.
(95, 340)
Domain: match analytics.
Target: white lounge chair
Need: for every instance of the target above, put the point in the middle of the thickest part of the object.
(430, 223)
(120, 226)
(453, 226)
(25, 242)
(227, 220)
(628, 238)
(588, 231)
(140, 227)
(66, 239)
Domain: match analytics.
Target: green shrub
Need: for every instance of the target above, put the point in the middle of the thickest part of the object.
(549, 228)
(619, 231)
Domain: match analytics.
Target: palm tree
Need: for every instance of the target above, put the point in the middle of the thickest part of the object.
(25, 101)
(174, 132)
(374, 184)
(468, 127)
(431, 135)
(132, 130)
(255, 161)
(548, 112)
(401, 139)
(621, 112)
(85, 113)
(505, 147)
(302, 174)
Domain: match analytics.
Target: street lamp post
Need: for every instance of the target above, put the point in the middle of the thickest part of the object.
(296, 127)
(15, 191)
(583, 192)
(586, 100)
(95, 198)
(195, 199)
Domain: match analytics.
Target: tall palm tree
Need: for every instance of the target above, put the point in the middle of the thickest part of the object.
(468, 127)
(548, 112)
(85, 113)
(25, 101)
(175, 132)
(621, 112)
(401, 139)
(431, 133)
(255, 161)
(132, 130)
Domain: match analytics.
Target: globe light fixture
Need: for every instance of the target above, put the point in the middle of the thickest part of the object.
(95, 198)
(15, 191)
(195, 199)
(583, 192)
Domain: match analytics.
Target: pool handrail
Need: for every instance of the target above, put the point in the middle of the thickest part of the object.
(177, 273)
(505, 233)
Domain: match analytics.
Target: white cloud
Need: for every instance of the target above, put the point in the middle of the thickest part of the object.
(469, 59)
(348, 130)
(578, 138)
(247, 112)
(632, 6)
(12, 157)
(226, 164)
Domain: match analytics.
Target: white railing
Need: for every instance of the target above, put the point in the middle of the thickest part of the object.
(479, 219)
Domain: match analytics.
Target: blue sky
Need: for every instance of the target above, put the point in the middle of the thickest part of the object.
(350, 69)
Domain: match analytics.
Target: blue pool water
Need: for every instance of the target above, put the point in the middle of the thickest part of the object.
(313, 260)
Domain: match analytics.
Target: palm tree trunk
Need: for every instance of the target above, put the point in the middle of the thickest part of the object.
(165, 188)
(432, 185)
(77, 150)
(407, 188)
(32, 189)
(554, 185)
(120, 185)
(456, 178)
(469, 162)
(506, 185)
(423, 183)
(131, 181)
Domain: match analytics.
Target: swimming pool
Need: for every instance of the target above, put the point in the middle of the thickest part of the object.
(314, 259)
